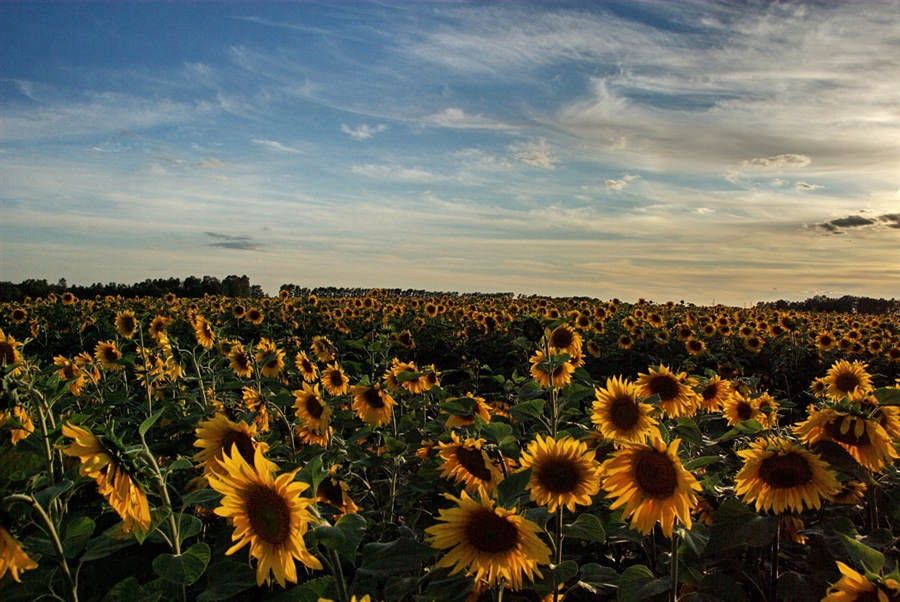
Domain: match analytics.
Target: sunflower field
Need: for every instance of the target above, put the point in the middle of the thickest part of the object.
(445, 447)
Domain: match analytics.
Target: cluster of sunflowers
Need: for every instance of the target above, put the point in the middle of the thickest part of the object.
(446, 448)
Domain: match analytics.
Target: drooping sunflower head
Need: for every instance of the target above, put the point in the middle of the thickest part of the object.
(239, 361)
(269, 514)
(618, 414)
(853, 587)
(676, 397)
(335, 492)
(650, 481)
(865, 438)
(778, 475)
(218, 436)
(489, 542)
(107, 355)
(468, 464)
(203, 332)
(846, 380)
(323, 348)
(372, 404)
(563, 472)
(13, 558)
(308, 370)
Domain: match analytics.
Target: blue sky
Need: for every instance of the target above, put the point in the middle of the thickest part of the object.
(710, 152)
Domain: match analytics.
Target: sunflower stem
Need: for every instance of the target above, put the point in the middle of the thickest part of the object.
(338, 575)
(674, 562)
(773, 578)
(872, 504)
(54, 537)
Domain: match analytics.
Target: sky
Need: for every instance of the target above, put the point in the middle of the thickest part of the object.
(700, 151)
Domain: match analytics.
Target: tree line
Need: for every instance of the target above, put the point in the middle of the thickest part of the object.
(192, 286)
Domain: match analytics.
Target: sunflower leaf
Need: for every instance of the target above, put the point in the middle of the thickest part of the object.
(701, 462)
(398, 556)
(512, 489)
(595, 577)
(558, 575)
(203, 498)
(887, 396)
(45, 496)
(586, 526)
(109, 542)
(226, 579)
(719, 587)
(529, 391)
(840, 458)
(78, 532)
(631, 581)
(184, 569)
(871, 559)
(148, 423)
(528, 410)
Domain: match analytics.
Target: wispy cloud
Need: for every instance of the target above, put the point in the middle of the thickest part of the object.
(363, 132)
(238, 243)
(779, 161)
(277, 146)
(535, 154)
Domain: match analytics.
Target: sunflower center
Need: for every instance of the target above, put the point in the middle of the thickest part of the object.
(242, 361)
(561, 338)
(846, 382)
(331, 490)
(306, 366)
(335, 378)
(784, 471)
(559, 475)
(110, 354)
(70, 371)
(314, 407)
(269, 514)
(242, 441)
(373, 398)
(473, 461)
(491, 534)
(665, 386)
(710, 392)
(833, 430)
(744, 411)
(128, 323)
(655, 475)
(624, 413)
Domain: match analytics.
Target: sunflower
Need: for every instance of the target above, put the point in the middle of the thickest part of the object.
(334, 380)
(323, 348)
(695, 346)
(308, 370)
(618, 414)
(864, 438)
(564, 340)
(563, 472)
(19, 315)
(753, 343)
(768, 406)
(714, 393)
(239, 361)
(218, 435)
(541, 367)
(9, 352)
(67, 298)
(70, 373)
(254, 402)
(254, 316)
(107, 355)
(12, 557)
(269, 357)
(778, 475)
(649, 480)
(114, 482)
(676, 397)
(310, 408)
(335, 492)
(203, 332)
(306, 435)
(126, 324)
(269, 514)
(851, 493)
(158, 327)
(480, 409)
(467, 463)
(372, 404)
(853, 587)
(25, 428)
(625, 342)
(490, 542)
(826, 341)
(846, 380)
(406, 340)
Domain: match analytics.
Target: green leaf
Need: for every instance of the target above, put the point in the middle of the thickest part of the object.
(202, 498)
(631, 581)
(130, 590)
(398, 556)
(408, 376)
(184, 569)
(226, 579)
(461, 406)
(512, 489)
(353, 526)
(701, 462)
(109, 542)
(45, 496)
(180, 464)
(397, 588)
(157, 516)
(554, 577)
(78, 532)
(870, 558)
(586, 526)
(497, 431)
(840, 458)
(696, 538)
(887, 396)
(595, 577)
(530, 390)
(747, 427)
(445, 588)
(529, 410)
(719, 587)
(793, 587)
(147, 424)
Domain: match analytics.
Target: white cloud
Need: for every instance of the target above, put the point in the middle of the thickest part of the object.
(363, 132)
(615, 184)
(395, 172)
(779, 161)
(275, 145)
(211, 163)
(458, 118)
(806, 186)
(536, 154)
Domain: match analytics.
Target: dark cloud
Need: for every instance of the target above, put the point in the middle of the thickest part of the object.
(839, 225)
(240, 243)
